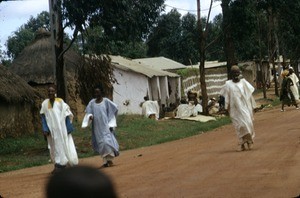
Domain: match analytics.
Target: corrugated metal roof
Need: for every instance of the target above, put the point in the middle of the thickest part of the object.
(128, 64)
(160, 63)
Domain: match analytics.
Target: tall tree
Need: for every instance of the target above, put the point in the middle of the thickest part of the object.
(203, 32)
(164, 38)
(26, 34)
(244, 28)
(98, 43)
(119, 19)
(189, 40)
(125, 25)
(228, 38)
(215, 40)
(57, 34)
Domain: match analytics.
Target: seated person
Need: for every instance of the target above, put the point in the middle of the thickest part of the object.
(213, 106)
(189, 109)
(150, 109)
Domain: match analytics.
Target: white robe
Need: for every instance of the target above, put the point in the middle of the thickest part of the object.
(240, 104)
(187, 110)
(294, 88)
(150, 107)
(60, 143)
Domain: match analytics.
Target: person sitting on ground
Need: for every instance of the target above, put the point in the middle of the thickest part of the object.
(189, 109)
(150, 109)
(213, 106)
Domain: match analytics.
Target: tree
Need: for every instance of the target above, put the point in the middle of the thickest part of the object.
(26, 34)
(288, 33)
(189, 40)
(202, 51)
(119, 19)
(228, 38)
(165, 36)
(215, 40)
(244, 26)
(98, 43)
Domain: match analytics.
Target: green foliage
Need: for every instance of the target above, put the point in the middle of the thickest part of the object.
(244, 25)
(16, 43)
(177, 38)
(120, 20)
(97, 42)
(188, 72)
(26, 34)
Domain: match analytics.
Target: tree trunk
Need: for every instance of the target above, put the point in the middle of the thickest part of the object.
(202, 42)
(57, 34)
(228, 40)
(272, 46)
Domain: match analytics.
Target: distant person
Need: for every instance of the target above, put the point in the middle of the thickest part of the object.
(294, 87)
(240, 104)
(221, 102)
(213, 106)
(190, 108)
(102, 112)
(57, 127)
(80, 182)
(286, 95)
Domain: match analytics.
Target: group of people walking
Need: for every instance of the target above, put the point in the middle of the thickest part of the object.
(101, 113)
(57, 128)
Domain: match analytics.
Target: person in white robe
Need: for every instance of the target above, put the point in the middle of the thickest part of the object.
(294, 87)
(150, 108)
(102, 113)
(240, 103)
(57, 127)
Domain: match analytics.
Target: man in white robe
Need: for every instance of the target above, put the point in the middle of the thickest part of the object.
(240, 103)
(103, 112)
(56, 122)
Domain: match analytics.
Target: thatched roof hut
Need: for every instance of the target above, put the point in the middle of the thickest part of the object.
(14, 89)
(36, 65)
(17, 103)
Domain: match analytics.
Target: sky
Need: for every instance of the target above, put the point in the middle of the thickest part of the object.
(13, 14)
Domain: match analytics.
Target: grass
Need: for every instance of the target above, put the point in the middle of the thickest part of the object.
(133, 131)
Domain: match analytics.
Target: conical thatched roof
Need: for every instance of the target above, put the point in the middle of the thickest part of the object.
(13, 88)
(35, 64)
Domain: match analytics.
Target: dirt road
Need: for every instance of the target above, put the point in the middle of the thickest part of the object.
(205, 165)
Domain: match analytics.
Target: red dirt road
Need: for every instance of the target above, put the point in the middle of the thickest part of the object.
(205, 165)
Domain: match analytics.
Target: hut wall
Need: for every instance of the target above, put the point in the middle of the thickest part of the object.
(215, 78)
(17, 120)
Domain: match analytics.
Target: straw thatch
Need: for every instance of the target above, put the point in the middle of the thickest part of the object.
(17, 104)
(36, 64)
(13, 89)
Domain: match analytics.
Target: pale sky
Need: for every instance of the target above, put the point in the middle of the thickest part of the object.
(13, 14)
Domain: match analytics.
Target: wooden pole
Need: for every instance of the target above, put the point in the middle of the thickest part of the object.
(57, 34)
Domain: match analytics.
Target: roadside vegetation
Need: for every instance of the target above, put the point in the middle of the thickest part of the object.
(133, 131)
